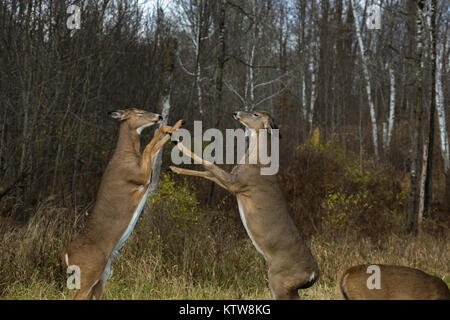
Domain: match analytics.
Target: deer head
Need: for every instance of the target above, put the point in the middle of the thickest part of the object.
(256, 120)
(136, 119)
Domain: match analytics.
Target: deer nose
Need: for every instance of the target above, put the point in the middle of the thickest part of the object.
(160, 117)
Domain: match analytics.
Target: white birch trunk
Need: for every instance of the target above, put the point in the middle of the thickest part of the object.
(197, 56)
(391, 108)
(304, 105)
(199, 89)
(169, 57)
(373, 118)
(313, 91)
(423, 178)
(441, 115)
(251, 76)
(418, 115)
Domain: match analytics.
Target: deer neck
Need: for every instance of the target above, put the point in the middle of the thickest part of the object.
(256, 142)
(128, 142)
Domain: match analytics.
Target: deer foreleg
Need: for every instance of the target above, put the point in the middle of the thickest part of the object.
(160, 144)
(150, 151)
(203, 174)
(161, 130)
(223, 178)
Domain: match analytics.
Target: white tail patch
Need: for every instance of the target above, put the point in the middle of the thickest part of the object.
(312, 277)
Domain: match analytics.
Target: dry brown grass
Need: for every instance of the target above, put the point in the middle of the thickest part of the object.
(205, 263)
(182, 250)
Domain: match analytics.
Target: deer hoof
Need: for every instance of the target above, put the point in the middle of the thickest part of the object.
(169, 169)
(183, 122)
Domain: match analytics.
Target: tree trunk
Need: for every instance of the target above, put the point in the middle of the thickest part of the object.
(423, 181)
(164, 101)
(418, 114)
(220, 63)
(365, 67)
(313, 89)
(391, 108)
(429, 168)
(443, 135)
(198, 53)
(3, 139)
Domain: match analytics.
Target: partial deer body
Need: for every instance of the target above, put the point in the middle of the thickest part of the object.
(121, 197)
(264, 214)
(395, 283)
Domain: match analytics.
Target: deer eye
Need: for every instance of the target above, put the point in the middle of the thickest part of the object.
(255, 115)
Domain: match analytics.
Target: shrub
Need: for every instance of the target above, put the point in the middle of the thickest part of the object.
(331, 191)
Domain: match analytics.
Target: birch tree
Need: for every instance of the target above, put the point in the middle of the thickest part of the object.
(429, 145)
(312, 101)
(256, 85)
(391, 118)
(219, 25)
(417, 116)
(365, 67)
(195, 17)
(443, 135)
(167, 75)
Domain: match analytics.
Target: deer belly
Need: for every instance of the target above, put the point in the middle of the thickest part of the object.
(131, 225)
(244, 222)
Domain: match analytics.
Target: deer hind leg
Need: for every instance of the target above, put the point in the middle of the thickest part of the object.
(90, 283)
(91, 265)
(85, 290)
(281, 290)
(97, 290)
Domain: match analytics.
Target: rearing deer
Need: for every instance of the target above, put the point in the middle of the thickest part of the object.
(123, 191)
(264, 212)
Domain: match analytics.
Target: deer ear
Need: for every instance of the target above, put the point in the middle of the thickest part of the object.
(118, 115)
(270, 126)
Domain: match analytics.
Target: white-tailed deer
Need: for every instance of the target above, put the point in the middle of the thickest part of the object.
(264, 212)
(394, 283)
(120, 200)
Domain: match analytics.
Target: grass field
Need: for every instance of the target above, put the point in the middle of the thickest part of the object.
(181, 249)
(239, 274)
